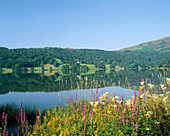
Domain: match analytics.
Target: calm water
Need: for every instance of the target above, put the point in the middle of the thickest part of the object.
(53, 89)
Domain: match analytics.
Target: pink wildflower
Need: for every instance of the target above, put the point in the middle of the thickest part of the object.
(136, 127)
(76, 96)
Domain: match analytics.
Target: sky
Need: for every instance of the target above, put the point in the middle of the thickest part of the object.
(79, 24)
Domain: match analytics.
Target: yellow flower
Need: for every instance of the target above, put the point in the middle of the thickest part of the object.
(162, 85)
(61, 133)
(168, 81)
(168, 93)
(151, 86)
(34, 133)
(92, 103)
(161, 95)
(163, 88)
(95, 132)
(96, 104)
(119, 131)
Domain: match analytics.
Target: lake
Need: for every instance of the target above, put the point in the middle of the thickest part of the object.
(48, 90)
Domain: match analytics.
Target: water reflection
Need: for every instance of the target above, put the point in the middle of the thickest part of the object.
(47, 90)
(31, 82)
(46, 100)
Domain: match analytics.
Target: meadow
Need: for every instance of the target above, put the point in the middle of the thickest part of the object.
(143, 114)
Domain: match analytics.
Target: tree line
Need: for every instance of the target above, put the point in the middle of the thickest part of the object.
(35, 57)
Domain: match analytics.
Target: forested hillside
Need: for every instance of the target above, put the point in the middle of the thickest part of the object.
(33, 57)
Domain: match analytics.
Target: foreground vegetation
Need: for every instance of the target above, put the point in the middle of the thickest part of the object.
(144, 114)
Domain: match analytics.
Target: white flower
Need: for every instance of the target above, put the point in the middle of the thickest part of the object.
(115, 106)
(92, 103)
(94, 110)
(107, 93)
(141, 96)
(156, 122)
(168, 79)
(116, 97)
(142, 83)
(149, 113)
(113, 99)
(96, 104)
(109, 112)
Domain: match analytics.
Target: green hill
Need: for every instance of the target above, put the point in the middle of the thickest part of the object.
(144, 55)
(162, 44)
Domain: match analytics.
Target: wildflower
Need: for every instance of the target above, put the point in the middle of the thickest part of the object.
(116, 97)
(168, 93)
(142, 82)
(109, 112)
(94, 110)
(151, 86)
(127, 120)
(76, 96)
(162, 85)
(162, 127)
(141, 96)
(113, 99)
(136, 127)
(100, 97)
(147, 129)
(34, 133)
(92, 103)
(156, 122)
(95, 132)
(168, 81)
(161, 95)
(115, 106)
(133, 114)
(149, 96)
(163, 88)
(96, 103)
(119, 131)
(149, 113)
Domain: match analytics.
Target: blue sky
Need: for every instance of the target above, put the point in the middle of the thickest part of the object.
(93, 24)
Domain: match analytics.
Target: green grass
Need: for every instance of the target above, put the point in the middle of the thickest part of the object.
(58, 60)
(6, 70)
(91, 66)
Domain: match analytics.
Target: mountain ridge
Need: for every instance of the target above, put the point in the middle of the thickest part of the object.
(162, 44)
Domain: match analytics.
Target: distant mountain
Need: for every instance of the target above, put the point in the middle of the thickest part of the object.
(162, 44)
